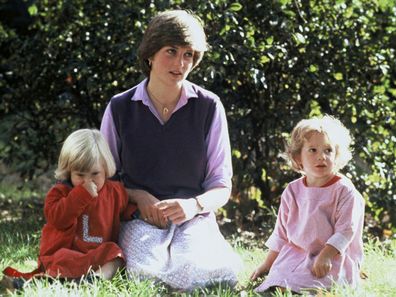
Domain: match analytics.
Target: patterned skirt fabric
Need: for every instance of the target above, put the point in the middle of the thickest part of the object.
(187, 256)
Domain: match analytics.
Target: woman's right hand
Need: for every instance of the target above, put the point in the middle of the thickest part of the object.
(146, 204)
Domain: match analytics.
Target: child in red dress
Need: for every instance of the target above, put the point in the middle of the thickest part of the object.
(83, 212)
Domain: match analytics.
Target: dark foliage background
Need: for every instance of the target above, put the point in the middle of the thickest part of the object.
(272, 63)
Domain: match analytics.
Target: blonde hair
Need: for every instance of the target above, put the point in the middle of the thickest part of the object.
(81, 151)
(172, 28)
(336, 132)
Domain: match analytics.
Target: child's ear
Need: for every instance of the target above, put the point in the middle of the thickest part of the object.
(297, 160)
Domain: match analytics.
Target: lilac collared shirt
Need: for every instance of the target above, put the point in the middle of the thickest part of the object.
(219, 165)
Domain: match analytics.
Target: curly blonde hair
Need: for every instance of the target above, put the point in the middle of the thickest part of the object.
(336, 132)
(81, 151)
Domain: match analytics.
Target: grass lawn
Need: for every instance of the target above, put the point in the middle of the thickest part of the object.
(20, 225)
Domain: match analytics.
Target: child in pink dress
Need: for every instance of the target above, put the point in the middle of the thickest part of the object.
(317, 239)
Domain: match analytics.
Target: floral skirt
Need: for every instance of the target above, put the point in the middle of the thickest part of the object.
(186, 256)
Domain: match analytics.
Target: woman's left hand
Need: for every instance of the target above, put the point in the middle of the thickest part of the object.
(178, 210)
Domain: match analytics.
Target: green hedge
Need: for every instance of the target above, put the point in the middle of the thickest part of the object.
(272, 63)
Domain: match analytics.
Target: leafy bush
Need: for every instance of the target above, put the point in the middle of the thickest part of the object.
(272, 63)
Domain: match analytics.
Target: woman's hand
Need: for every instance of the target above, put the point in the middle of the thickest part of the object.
(148, 209)
(179, 210)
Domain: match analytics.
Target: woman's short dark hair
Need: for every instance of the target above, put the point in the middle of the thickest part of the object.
(172, 28)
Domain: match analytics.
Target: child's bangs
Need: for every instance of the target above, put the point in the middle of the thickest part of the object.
(85, 161)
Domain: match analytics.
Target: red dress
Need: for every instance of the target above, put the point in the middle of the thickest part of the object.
(81, 232)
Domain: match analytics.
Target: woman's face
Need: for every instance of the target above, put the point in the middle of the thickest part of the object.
(172, 64)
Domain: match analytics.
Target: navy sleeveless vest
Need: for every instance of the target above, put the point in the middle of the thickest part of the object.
(168, 161)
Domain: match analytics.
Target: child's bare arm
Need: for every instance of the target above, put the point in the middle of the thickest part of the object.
(265, 266)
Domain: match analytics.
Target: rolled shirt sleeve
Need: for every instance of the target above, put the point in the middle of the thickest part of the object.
(349, 218)
(219, 166)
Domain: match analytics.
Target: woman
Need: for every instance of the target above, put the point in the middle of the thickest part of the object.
(170, 140)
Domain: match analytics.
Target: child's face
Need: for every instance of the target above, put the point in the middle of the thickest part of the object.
(97, 175)
(317, 159)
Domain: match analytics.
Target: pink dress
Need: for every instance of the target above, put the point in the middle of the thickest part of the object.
(308, 219)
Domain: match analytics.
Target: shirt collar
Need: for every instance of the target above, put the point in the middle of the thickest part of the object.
(188, 91)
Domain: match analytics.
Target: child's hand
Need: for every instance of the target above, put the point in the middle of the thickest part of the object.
(265, 267)
(91, 187)
(321, 266)
(260, 271)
